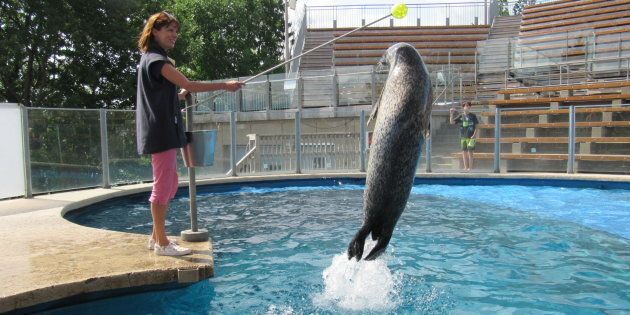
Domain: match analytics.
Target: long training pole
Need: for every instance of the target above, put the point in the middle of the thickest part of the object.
(305, 53)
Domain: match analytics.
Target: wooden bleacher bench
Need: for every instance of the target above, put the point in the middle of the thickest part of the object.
(550, 156)
(547, 100)
(545, 9)
(559, 111)
(596, 25)
(557, 140)
(565, 23)
(417, 45)
(557, 88)
(583, 124)
(584, 11)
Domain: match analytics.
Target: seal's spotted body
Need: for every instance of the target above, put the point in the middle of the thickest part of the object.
(402, 113)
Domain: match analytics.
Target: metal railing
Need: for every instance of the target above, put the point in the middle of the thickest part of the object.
(431, 14)
(69, 149)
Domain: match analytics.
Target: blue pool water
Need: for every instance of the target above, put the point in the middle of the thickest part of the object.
(456, 249)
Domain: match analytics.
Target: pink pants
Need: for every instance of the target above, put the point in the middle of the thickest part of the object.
(164, 176)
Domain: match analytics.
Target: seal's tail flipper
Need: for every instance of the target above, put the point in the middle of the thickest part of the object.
(379, 248)
(355, 248)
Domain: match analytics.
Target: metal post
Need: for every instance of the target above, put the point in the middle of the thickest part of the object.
(104, 147)
(238, 102)
(298, 143)
(428, 144)
(497, 140)
(269, 95)
(26, 149)
(485, 12)
(476, 65)
(571, 155)
(362, 140)
(335, 89)
(233, 142)
(194, 234)
(287, 53)
(300, 87)
(461, 88)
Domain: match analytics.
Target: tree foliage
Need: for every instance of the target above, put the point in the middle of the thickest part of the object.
(228, 38)
(520, 5)
(82, 53)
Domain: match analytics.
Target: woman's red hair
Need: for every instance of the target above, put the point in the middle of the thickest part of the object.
(155, 21)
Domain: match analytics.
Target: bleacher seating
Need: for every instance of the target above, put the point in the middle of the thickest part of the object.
(433, 43)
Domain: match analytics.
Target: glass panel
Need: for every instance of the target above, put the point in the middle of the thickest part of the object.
(355, 86)
(65, 149)
(282, 91)
(125, 165)
(318, 88)
(603, 139)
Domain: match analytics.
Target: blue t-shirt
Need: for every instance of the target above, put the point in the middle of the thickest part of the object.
(159, 124)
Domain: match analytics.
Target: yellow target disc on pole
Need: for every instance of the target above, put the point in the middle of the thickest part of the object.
(399, 11)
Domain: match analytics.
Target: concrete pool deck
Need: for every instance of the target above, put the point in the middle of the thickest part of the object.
(47, 258)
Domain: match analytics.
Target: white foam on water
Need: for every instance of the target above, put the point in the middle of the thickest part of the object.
(279, 310)
(359, 285)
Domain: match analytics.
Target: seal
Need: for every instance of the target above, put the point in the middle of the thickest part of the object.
(402, 122)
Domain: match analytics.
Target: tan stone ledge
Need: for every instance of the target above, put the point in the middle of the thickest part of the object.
(47, 258)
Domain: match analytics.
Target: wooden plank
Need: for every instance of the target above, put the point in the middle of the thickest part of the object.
(544, 100)
(571, 9)
(556, 5)
(551, 156)
(573, 15)
(604, 85)
(405, 39)
(417, 45)
(584, 20)
(558, 140)
(422, 52)
(559, 111)
(617, 22)
(559, 125)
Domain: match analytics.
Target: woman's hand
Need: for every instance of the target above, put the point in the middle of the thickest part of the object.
(233, 85)
(182, 94)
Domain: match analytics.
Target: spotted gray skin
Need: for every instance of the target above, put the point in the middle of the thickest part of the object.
(403, 113)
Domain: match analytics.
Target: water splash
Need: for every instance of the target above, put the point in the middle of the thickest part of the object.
(359, 285)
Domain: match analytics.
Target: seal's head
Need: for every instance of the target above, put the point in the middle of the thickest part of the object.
(400, 52)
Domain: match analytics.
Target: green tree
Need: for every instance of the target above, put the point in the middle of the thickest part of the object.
(520, 5)
(70, 53)
(82, 53)
(502, 6)
(228, 38)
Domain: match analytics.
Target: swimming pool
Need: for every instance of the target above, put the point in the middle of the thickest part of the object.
(280, 249)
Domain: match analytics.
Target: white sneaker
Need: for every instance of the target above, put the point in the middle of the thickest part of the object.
(151, 243)
(171, 250)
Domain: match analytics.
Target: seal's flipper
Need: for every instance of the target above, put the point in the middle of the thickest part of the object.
(380, 246)
(355, 248)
